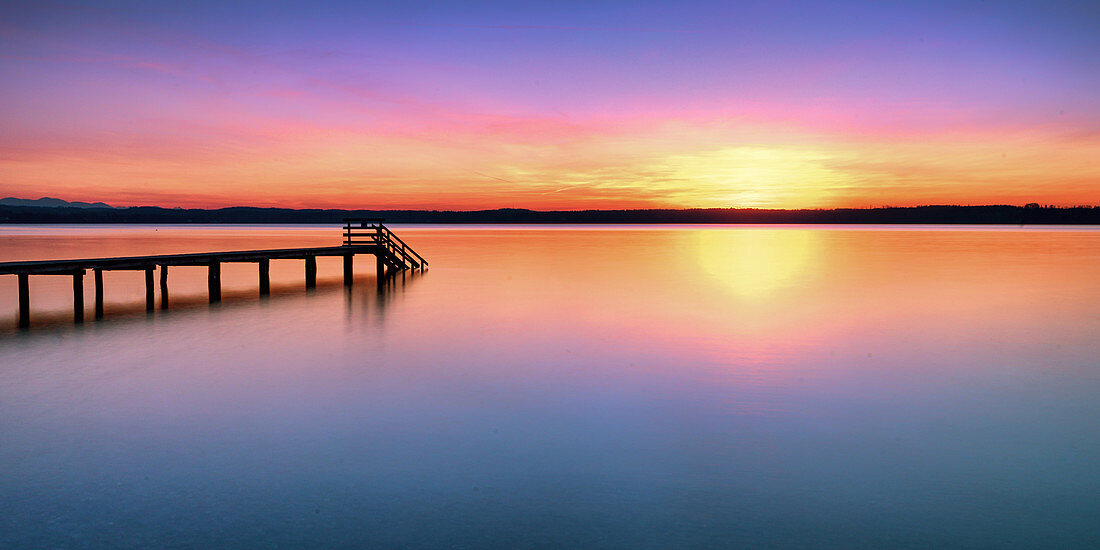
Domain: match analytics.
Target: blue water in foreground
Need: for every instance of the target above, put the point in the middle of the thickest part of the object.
(564, 387)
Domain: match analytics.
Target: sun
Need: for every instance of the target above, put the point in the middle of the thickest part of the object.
(756, 177)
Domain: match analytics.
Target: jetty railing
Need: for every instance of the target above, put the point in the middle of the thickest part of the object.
(367, 231)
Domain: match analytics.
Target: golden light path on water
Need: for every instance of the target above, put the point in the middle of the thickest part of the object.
(753, 265)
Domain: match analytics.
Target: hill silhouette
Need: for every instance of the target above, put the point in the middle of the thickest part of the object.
(940, 214)
(51, 202)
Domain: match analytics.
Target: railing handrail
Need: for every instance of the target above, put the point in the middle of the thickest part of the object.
(403, 245)
(405, 249)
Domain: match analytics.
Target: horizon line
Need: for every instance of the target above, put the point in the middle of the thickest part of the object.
(1033, 204)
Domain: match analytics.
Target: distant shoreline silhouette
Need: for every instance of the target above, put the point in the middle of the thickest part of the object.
(1032, 214)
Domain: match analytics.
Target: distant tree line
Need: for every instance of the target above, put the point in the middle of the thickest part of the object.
(1031, 214)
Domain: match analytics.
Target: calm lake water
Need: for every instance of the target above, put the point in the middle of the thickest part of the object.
(564, 387)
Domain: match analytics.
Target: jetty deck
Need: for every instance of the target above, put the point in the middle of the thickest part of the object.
(361, 236)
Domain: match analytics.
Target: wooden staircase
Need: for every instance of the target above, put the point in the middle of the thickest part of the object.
(392, 250)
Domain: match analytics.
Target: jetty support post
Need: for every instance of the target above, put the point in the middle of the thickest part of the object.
(24, 300)
(265, 277)
(98, 275)
(150, 295)
(348, 268)
(380, 267)
(311, 271)
(164, 286)
(214, 281)
(78, 296)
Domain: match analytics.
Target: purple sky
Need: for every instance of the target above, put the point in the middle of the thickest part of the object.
(601, 104)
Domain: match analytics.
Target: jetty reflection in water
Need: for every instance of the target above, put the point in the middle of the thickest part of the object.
(598, 387)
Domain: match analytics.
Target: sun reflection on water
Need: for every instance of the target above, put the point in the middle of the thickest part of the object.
(753, 263)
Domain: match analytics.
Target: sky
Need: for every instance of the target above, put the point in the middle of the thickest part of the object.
(558, 105)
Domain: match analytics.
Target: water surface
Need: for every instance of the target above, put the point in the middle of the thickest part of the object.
(599, 387)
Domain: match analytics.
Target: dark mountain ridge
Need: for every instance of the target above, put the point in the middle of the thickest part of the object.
(938, 214)
(51, 203)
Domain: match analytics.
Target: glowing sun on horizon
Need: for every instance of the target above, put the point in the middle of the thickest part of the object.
(756, 177)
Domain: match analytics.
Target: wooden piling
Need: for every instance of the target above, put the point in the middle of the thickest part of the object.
(98, 274)
(24, 300)
(348, 269)
(78, 296)
(380, 268)
(164, 286)
(265, 277)
(214, 281)
(311, 271)
(150, 295)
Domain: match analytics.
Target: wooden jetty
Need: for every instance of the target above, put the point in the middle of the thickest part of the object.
(361, 236)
